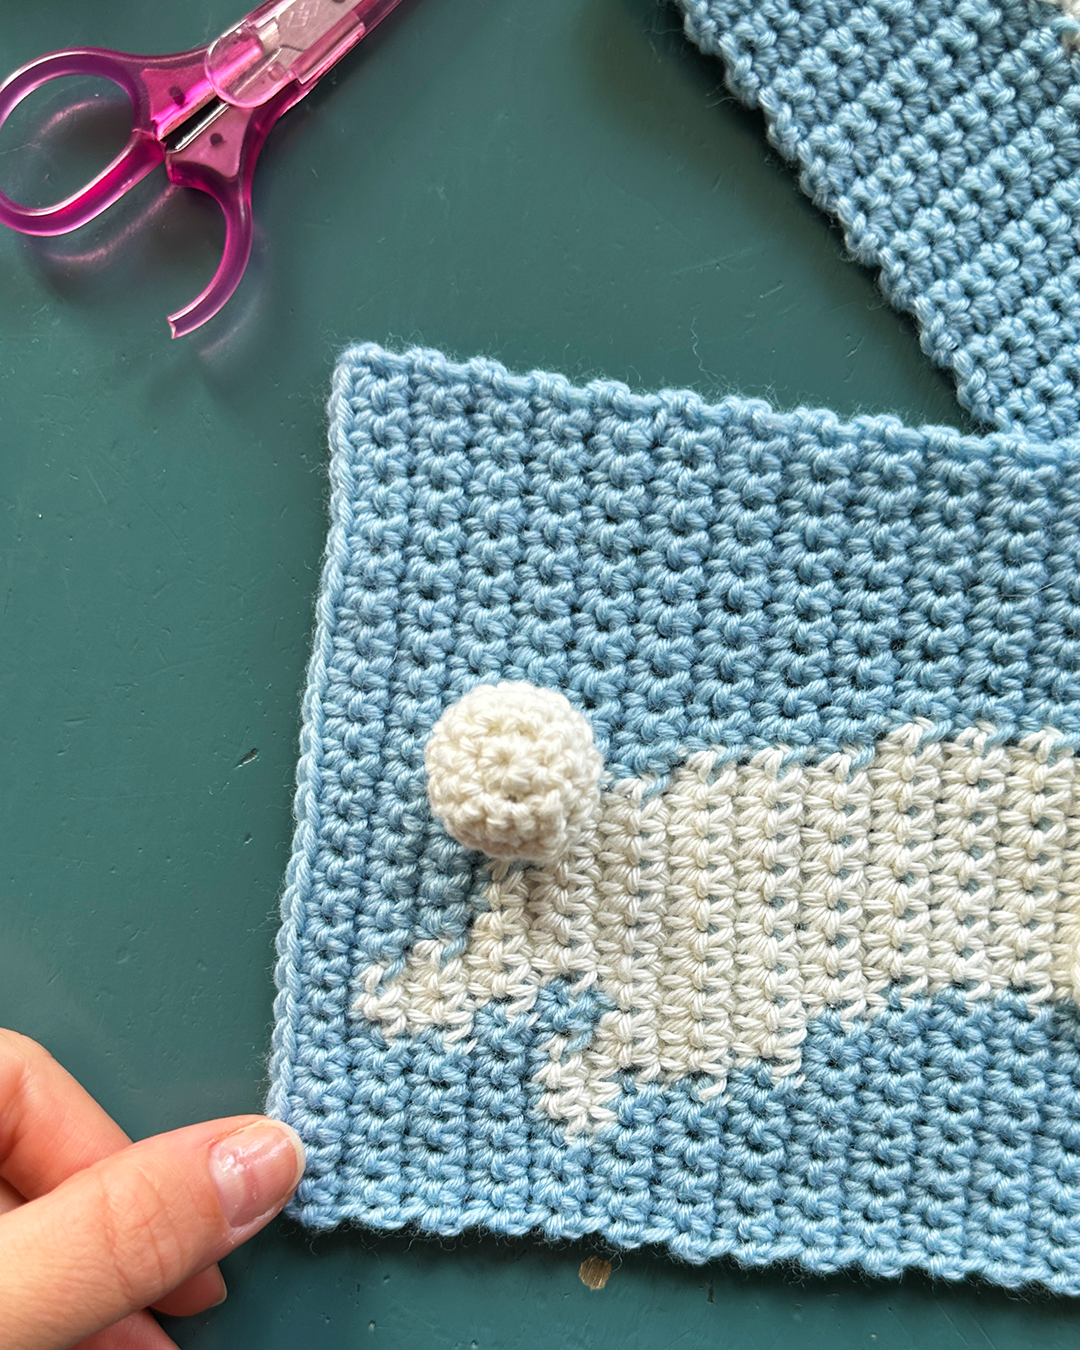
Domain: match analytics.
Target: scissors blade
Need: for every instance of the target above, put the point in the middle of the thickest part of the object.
(286, 41)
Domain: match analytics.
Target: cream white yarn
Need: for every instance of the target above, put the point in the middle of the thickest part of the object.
(718, 917)
(1070, 8)
(513, 771)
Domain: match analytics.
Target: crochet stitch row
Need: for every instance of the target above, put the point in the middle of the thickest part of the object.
(839, 661)
(944, 135)
(933, 1136)
(714, 921)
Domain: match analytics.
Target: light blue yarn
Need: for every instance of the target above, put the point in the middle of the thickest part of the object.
(945, 137)
(690, 576)
(730, 578)
(933, 1137)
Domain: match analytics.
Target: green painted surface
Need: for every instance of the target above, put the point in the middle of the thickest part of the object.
(561, 185)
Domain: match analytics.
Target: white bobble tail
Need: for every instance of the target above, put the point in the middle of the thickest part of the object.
(514, 772)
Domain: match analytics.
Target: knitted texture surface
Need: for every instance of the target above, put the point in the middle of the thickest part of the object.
(944, 135)
(800, 983)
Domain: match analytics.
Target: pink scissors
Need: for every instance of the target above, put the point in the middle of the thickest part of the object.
(206, 113)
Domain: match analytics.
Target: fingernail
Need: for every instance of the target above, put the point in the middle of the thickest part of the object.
(255, 1170)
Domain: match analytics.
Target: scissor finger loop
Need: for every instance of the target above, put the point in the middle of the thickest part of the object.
(141, 154)
(59, 65)
(206, 113)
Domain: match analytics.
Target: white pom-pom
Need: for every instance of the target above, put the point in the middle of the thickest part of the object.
(513, 771)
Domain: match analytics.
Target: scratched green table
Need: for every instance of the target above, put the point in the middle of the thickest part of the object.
(561, 185)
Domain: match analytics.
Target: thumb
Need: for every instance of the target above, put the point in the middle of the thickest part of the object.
(121, 1234)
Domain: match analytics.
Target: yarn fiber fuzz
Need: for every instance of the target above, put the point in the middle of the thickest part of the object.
(800, 982)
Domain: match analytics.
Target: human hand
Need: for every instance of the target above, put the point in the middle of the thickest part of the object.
(94, 1228)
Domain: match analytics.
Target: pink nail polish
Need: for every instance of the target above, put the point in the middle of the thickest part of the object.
(255, 1170)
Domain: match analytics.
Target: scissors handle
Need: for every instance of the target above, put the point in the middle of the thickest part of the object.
(206, 113)
(220, 161)
(153, 84)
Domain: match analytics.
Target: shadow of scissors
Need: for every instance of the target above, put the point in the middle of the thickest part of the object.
(205, 113)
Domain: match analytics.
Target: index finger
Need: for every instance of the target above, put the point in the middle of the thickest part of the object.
(51, 1128)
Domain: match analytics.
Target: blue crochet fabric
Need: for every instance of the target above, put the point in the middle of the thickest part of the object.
(945, 137)
(806, 987)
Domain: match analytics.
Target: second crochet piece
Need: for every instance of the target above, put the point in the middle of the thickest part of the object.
(688, 829)
(944, 135)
